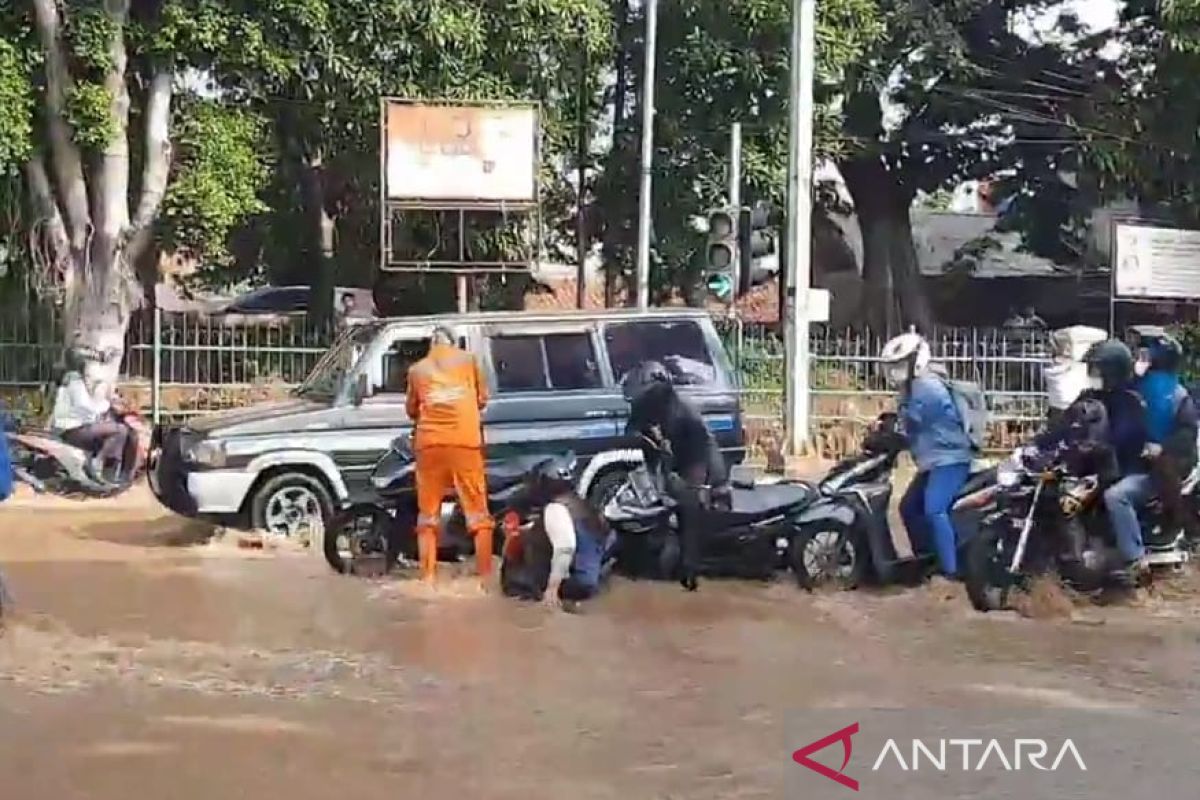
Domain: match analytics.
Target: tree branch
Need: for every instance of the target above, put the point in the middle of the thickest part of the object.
(68, 166)
(56, 268)
(110, 184)
(157, 168)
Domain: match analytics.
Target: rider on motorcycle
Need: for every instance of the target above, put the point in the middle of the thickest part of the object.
(1120, 420)
(85, 418)
(1171, 418)
(939, 443)
(561, 559)
(659, 413)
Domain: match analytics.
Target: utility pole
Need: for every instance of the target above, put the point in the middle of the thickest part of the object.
(643, 246)
(581, 194)
(799, 226)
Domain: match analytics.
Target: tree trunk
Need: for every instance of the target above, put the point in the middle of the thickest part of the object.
(893, 296)
(322, 243)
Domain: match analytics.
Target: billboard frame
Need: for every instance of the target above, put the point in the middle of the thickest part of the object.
(1113, 299)
(387, 207)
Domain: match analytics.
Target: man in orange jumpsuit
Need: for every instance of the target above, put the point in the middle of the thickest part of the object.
(446, 394)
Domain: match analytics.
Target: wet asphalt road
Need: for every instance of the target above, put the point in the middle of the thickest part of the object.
(138, 664)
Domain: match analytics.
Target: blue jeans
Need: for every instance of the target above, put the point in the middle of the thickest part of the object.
(1123, 499)
(925, 509)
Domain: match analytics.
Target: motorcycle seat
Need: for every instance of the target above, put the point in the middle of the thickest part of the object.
(977, 481)
(765, 501)
(511, 471)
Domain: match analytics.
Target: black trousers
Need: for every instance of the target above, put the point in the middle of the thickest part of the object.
(684, 489)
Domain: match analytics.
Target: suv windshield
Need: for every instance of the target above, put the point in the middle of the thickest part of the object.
(327, 376)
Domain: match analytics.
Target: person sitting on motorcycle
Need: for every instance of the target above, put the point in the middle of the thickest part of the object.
(562, 558)
(939, 443)
(1171, 420)
(1123, 472)
(658, 412)
(84, 418)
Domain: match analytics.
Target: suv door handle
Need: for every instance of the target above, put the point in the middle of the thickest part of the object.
(597, 413)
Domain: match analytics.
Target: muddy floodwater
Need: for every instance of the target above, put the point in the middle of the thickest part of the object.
(142, 663)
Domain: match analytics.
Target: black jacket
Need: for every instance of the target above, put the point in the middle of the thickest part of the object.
(694, 451)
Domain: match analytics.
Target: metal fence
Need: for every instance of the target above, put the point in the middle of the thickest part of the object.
(182, 365)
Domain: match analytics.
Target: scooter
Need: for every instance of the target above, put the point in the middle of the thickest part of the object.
(1050, 520)
(843, 537)
(747, 532)
(371, 538)
(48, 464)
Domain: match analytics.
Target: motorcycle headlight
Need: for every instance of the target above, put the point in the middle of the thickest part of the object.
(1007, 476)
(207, 454)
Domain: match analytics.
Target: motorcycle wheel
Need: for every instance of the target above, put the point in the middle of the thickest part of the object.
(829, 555)
(988, 581)
(362, 534)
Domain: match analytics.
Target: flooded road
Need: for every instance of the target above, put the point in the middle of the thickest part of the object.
(138, 659)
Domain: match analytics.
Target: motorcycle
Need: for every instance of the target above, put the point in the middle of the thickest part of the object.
(1050, 520)
(42, 460)
(371, 538)
(844, 539)
(747, 533)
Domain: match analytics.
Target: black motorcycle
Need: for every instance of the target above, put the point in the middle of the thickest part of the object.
(745, 534)
(843, 538)
(1049, 520)
(371, 538)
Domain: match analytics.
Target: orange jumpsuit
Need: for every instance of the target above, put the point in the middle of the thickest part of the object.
(446, 393)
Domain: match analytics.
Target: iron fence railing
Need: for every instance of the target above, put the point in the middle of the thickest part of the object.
(179, 365)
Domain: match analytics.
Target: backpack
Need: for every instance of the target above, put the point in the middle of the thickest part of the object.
(972, 409)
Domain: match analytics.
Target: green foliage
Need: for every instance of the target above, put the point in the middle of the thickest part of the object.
(89, 32)
(219, 175)
(88, 111)
(16, 107)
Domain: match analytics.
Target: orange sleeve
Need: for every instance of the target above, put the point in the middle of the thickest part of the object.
(412, 398)
(481, 387)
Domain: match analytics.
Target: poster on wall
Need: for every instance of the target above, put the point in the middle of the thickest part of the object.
(1151, 262)
(460, 153)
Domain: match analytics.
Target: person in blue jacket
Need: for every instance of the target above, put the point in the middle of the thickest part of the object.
(6, 469)
(1171, 419)
(939, 443)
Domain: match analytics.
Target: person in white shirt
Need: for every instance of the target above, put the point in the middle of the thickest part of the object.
(562, 559)
(84, 417)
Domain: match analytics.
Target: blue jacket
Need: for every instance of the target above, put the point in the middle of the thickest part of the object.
(1162, 393)
(1127, 428)
(935, 431)
(6, 478)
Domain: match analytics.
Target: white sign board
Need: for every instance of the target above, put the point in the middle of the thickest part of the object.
(460, 153)
(1156, 262)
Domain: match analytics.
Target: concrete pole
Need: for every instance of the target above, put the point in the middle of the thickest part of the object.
(643, 246)
(799, 226)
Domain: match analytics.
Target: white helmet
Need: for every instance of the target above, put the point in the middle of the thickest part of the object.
(904, 356)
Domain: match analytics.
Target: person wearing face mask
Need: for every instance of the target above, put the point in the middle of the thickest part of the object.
(940, 445)
(1067, 374)
(1125, 432)
(1171, 419)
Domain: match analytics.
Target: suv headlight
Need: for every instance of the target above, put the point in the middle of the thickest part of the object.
(207, 454)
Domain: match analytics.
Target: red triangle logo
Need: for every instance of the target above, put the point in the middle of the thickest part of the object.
(801, 756)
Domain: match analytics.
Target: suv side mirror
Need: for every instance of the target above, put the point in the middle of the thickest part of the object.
(361, 389)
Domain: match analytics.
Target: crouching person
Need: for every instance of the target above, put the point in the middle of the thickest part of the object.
(564, 556)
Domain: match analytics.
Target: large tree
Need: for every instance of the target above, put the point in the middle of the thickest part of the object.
(102, 78)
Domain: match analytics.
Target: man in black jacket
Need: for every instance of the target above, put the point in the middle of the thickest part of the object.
(696, 463)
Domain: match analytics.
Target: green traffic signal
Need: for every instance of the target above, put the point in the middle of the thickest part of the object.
(720, 284)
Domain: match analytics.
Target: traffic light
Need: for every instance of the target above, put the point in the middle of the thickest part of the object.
(756, 241)
(721, 255)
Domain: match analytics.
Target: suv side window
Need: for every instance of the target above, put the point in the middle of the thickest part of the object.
(558, 361)
(679, 345)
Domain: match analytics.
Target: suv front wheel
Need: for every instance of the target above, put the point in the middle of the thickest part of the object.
(290, 504)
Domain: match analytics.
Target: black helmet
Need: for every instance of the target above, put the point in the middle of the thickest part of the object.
(1112, 362)
(644, 377)
(1166, 354)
